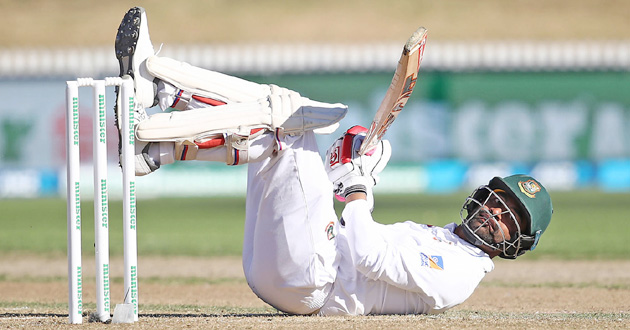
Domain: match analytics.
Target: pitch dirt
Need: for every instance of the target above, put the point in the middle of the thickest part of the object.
(186, 292)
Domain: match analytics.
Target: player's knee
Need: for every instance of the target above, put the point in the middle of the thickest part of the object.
(291, 299)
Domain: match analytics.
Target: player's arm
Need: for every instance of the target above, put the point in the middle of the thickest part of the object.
(353, 175)
(378, 256)
(356, 196)
(394, 255)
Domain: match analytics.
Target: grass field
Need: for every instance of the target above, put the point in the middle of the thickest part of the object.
(585, 225)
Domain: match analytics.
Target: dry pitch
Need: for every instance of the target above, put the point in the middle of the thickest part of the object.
(193, 293)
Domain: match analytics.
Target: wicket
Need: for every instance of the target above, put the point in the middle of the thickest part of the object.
(101, 217)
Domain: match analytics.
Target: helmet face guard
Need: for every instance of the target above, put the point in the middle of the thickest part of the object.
(476, 218)
(532, 205)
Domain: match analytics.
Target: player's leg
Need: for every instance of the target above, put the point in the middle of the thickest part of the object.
(239, 109)
(201, 87)
(289, 250)
(200, 134)
(184, 85)
(133, 46)
(135, 54)
(289, 255)
(196, 133)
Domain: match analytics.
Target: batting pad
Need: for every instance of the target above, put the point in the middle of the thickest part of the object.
(178, 125)
(204, 82)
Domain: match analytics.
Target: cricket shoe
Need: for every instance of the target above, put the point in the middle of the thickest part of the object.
(145, 163)
(133, 46)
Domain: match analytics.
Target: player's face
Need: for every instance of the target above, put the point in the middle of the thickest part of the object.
(494, 223)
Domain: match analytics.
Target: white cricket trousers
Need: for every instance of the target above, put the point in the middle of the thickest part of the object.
(289, 255)
(289, 252)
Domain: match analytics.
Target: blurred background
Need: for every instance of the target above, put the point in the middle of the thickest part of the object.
(536, 87)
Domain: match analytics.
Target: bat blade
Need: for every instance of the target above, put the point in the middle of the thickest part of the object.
(400, 89)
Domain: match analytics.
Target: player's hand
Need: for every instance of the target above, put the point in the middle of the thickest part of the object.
(350, 172)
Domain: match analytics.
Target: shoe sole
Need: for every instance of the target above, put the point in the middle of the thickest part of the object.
(125, 46)
(127, 39)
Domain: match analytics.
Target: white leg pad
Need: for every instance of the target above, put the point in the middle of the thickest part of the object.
(293, 115)
(297, 114)
(204, 82)
(248, 106)
(196, 123)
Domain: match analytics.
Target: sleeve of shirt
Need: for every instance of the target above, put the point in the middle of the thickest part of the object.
(401, 263)
(363, 233)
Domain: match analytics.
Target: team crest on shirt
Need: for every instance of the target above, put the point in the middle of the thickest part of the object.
(330, 230)
(435, 262)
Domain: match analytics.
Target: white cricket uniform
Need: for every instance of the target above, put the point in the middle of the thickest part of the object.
(403, 268)
(299, 259)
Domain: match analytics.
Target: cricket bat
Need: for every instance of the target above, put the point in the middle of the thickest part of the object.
(402, 85)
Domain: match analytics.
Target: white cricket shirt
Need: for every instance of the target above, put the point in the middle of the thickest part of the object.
(402, 268)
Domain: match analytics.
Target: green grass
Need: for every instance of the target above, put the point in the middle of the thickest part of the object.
(195, 227)
(585, 225)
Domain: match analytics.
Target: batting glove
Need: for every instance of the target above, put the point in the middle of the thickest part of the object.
(350, 172)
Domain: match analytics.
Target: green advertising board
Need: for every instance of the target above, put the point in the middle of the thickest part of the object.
(569, 129)
(485, 116)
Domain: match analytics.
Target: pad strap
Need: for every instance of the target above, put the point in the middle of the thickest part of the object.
(186, 150)
(181, 100)
(237, 146)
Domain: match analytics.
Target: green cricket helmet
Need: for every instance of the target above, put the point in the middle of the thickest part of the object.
(533, 205)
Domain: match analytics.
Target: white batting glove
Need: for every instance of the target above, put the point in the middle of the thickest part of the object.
(350, 172)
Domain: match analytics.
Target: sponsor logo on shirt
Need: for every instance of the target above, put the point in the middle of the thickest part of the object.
(435, 262)
(330, 230)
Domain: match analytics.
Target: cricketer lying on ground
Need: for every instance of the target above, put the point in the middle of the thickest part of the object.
(297, 255)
